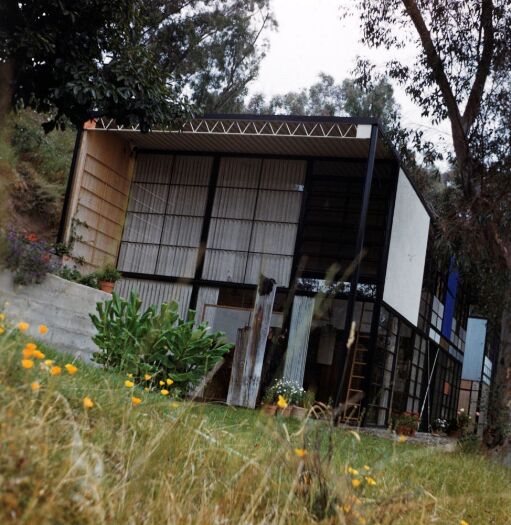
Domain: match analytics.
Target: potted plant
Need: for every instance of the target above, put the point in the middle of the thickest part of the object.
(107, 276)
(406, 423)
(439, 426)
(284, 397)
(459, 425)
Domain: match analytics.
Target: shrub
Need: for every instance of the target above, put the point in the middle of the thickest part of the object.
(29, 258)
(155, 342)
(291, 391)
(74, 275)
(108, 273)
(408, 420)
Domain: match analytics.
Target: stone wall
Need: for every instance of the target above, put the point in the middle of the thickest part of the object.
(63, 306)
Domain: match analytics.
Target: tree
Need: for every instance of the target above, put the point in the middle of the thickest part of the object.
(461, 72)
(136, 61)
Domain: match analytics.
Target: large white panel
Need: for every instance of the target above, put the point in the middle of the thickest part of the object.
(283, 174)
(222, 265)
(229, 234)
(279, 206)
(181, 231)
(143, 227)
(192, 170)
(140, 258)
(273, 237)
(153, 168)
(149, 198)
(276, 267)
(239, 172)
(234, 203)
(177, 261)
(407, 252)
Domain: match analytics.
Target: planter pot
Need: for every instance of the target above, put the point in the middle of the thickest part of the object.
(269, 410)
(454, 433)
(106, 286)
(285, 412)
(299, 412)
(405, 431)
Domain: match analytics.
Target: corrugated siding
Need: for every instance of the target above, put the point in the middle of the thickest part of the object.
(156, 292)
(154, 168)
(220, 265)
(175, 260)
(206, 295)
(138, 258)
(239, 173)
(143, 227)
(234, 203)
(277, 267)
(271, 237)
(229, 234)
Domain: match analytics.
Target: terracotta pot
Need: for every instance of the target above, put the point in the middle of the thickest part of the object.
(285, 412)
(269, 410)
(405, 431)
(454, 433)
(299, 412)
(106, 286)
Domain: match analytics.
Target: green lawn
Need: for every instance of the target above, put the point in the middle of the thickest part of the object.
(165, 461)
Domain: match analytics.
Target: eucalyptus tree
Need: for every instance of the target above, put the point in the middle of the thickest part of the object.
(453, 61)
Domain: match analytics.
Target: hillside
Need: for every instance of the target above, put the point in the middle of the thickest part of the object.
(33, 173)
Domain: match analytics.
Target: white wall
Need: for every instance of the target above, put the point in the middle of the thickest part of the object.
(63, 306)
(407, 252)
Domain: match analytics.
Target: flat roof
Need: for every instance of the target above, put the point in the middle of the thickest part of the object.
(284, 135)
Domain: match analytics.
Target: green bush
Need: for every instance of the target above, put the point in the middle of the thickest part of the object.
(155, 342)
(73, 274)
(108, 273)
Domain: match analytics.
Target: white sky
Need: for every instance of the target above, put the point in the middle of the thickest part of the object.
(311, 39)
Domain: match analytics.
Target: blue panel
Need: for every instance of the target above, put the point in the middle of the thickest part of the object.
(450, 301)
(474, 349)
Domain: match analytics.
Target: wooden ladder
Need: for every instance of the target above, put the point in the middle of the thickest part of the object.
(352, 411)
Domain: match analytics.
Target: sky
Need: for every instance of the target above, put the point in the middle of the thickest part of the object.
(312, 38)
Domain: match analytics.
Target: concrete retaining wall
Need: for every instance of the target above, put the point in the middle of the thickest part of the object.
(63, 306)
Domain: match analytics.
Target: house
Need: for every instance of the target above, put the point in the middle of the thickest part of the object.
(319, 207)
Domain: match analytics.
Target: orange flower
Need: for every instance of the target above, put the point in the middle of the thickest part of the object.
(43, 329)
(135, 401)
(38, 354)
(300, 452)
(31, 346)
(23, 326)
(147, 377)
(55, 370)
(27, 352)
(87, 402)
(71, 369)
(35, 386)
(356, 483)
(32, 237)
(27, 363)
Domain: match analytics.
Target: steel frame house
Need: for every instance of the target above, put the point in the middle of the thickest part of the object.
(319, 205)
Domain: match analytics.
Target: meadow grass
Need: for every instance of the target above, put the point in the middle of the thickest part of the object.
(170, 462)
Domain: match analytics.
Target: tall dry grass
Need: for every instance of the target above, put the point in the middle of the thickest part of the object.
(182, 463)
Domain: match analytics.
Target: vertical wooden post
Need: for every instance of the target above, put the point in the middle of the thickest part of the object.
(250, 349)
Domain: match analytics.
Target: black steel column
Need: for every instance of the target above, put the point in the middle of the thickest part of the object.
(205, 231)
(382, 272)
(358, 254)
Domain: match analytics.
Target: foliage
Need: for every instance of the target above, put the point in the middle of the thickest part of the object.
(406, 420)
(73, 274)
(157, 343)
(440, 425)
(28, 257)
(462, 422)
(108, 273)
(290, 390)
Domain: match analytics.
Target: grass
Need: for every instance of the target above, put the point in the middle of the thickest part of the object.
(165, 461)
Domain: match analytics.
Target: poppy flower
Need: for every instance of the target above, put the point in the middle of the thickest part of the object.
(23, 326)
(129, 384)
(43, 329)
(27, 363)
(164, 392)
(71, 369)
(87, 402)
(135, 401)
(55, 370)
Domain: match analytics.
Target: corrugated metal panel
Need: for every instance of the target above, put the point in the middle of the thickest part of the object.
(229, 234)
(224, 266)
(271, 237)
(298, 344)
(149, 198)
(154, 168)
(281, 206)
(187, 200)
(239, 172)
(206, 295)
(177, 261)
(156, 292)
(182, 231)
(234, 203)
(276, 267)
(283, 174)
(140, 258)
(192, 170)
(143, 227)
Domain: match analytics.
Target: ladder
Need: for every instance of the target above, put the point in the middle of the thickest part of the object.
(352, 410)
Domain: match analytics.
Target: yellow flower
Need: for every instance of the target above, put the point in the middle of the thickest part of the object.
(352, 471)
(281, 403)
(48, 362)
(356, 483)
(2, 317)
(300, 452)
(27, 352)
(366, 467)
(43, 329)
(71, 369)
(161, 383)
(136, 400)
(346, 508)
(129, 384)
(27, 363)
(174, 404)
(164, 392)
(402, 439)
(129, 375)
(23, 326)
(55, 370)
(169, 381)
(147, 377)
(35, 386)
(38, 354)
(2, 330)
(463, 522)
(87, 402)
(370, 481)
